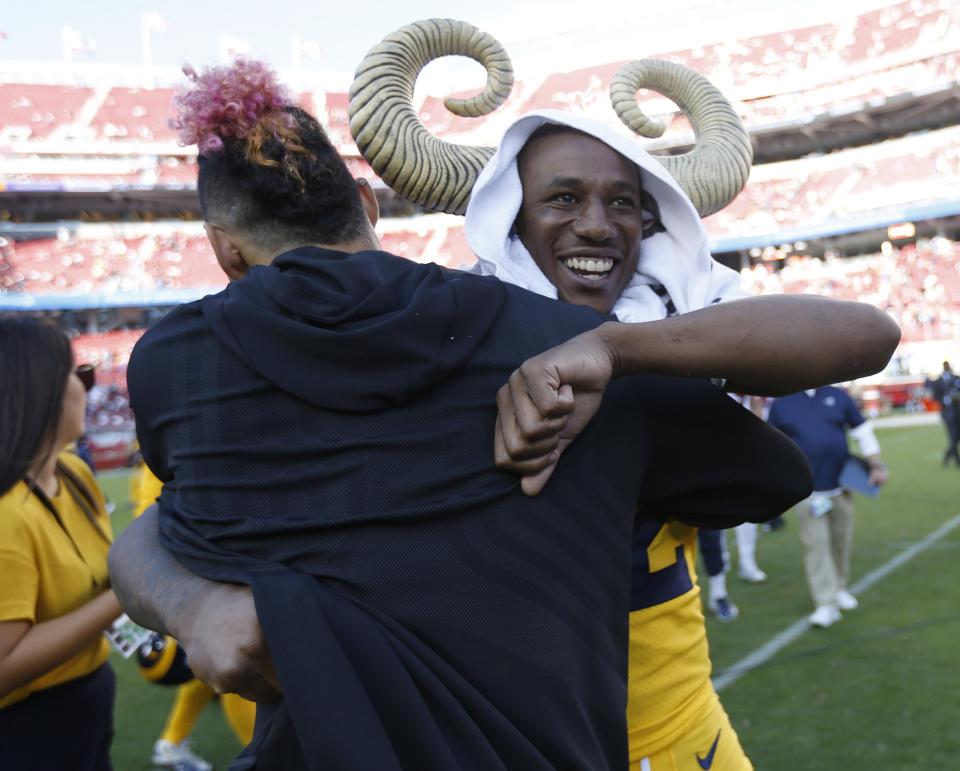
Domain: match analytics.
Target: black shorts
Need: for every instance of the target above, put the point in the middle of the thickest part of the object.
(68, 726)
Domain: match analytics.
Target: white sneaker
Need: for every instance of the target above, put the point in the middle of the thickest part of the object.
(824, 616)
(752, 574)
(846, 601)
(166, 754)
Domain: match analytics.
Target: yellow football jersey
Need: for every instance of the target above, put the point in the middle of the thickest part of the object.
(669, 659)
(144, 488)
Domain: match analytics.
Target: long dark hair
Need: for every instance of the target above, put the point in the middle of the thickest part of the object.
(35, 362)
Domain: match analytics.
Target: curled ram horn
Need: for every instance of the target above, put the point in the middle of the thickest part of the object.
(716, 169)
(420, 167)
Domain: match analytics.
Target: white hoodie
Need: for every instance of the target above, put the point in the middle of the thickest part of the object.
(678, 259)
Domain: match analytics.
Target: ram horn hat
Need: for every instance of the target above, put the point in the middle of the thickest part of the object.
(422, 168)
(439, 175)
(716, 169)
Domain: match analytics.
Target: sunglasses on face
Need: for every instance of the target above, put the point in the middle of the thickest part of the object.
(87, 375)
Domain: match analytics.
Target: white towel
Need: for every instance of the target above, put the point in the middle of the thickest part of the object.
(679, 258)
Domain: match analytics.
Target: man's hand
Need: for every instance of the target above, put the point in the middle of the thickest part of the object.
(547, 402)
(221, 635)
(216, 623)
(878, 473)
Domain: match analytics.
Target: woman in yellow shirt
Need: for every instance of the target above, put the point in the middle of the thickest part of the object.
(56, 689)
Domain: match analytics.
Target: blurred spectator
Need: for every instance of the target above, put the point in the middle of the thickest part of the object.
(946, 390)
(818, 420)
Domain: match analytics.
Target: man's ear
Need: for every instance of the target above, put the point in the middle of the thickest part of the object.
(228, 252)
(369, 200)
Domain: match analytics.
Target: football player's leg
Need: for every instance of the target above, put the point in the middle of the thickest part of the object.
(711, 744)
(241, 715)
(190, 700)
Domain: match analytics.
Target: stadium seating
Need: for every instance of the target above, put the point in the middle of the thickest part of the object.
(177, 172)
(81, 266)
(184, 261)
(407, 243)
(773, 77)
(919, 285)
(336, 120)
(135, 114)
(454, 251)
(109, 352)
(34, 112)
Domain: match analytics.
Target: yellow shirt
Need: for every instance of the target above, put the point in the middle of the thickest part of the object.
(46, 572)
(144, 488)
(669, 659)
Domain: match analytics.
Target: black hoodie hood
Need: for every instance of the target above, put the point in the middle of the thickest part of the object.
(353, 332)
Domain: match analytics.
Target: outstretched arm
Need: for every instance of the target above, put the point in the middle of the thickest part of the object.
(765, 346)
(216, 623)
(760, 345)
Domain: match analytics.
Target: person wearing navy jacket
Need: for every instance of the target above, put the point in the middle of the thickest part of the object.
(818, 421)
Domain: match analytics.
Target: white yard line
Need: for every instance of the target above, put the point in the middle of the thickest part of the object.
(767, 651)
(914, 419)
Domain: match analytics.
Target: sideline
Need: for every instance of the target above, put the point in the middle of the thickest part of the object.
(911, 419)
(766, 651)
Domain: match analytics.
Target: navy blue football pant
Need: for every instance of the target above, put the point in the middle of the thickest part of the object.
(711, 547)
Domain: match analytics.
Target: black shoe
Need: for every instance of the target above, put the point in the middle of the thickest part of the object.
(723, 609)
(774, 524)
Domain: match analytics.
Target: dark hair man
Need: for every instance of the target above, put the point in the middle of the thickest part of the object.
(570, 209)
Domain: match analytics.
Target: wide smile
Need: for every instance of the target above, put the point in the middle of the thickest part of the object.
(590, 268)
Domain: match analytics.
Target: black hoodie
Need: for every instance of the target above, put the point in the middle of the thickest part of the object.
(324, 429)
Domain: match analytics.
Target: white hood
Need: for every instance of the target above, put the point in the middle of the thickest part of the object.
(678, 259)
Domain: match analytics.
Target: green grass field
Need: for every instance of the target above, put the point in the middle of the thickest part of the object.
(142, 706)
(877, 691)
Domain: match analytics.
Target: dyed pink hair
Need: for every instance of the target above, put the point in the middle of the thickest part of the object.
(228, 102)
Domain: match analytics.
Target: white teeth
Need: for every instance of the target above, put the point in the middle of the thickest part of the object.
(598, 266)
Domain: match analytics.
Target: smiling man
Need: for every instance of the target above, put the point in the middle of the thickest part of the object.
(596, 221)
(570, 209)
(582, 230)
(582, 220)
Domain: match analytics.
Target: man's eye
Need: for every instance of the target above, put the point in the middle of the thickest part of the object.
(563, 198)
(624, 201)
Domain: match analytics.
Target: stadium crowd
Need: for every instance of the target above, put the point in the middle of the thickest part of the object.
(918, 285)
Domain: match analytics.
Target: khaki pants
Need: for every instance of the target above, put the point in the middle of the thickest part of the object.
(827, 541)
